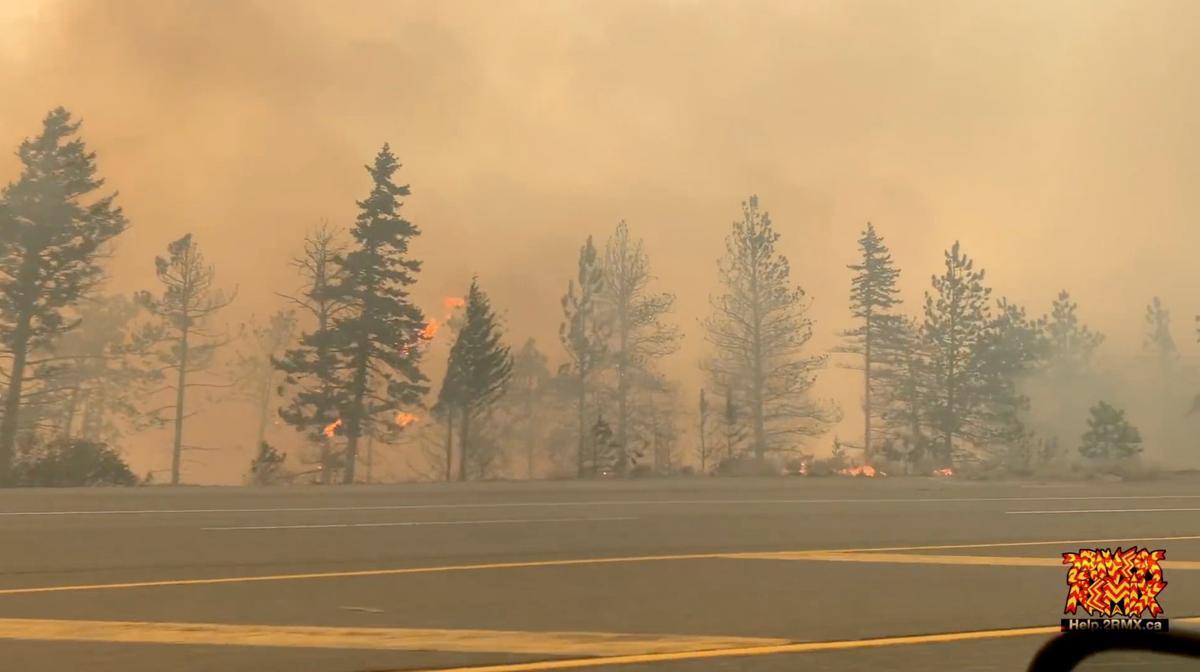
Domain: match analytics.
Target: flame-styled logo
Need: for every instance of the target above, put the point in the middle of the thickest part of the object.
(1104, 582)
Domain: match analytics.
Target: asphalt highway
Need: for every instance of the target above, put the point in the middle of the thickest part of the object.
(669, 576)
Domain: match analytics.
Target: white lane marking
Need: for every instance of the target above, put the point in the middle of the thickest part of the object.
(1026, 513)
(998, 544)
(601, 502)
(419, 523)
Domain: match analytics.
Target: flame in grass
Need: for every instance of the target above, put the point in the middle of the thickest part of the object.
(863, 470)
(404, 419)
(947, 471)
(332, 428)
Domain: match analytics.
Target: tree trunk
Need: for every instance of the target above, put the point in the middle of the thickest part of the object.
(703, 444)
(582, 410)
(449, 443)
(264, 410)
(180, 386)
(756, 393)
(91, 418)
(530, 436)
(68, 420)
(356, 415)
(623, 393)
(323, 360)
(867, 388)
(948, 431)
(12, 397)
(326, 461)
(370, 456)
(464, 443)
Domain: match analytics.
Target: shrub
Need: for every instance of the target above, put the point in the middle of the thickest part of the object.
(267, 467)
(71, 463)
(746, 466)
(1109, 435)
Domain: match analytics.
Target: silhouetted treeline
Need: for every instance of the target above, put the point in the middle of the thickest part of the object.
(962, 377)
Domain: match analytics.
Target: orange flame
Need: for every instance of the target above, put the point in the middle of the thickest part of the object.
(404, 419)
(332, 428)
(864, 470)
(943, 472)
(431, 329)
(434, 325)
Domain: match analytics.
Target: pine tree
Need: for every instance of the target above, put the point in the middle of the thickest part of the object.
(1014, 347)
(1109, 434)
(187, 302)
(480, 367)
(1160, 344)
(1158, 341)
(873, 295)
(904, 396)
(449, 396)
(957, 318)
(584, 334)
(375, 339)
(448, 402)
(53, 231)
(1071, 344)
(759, 328)
(530, 375)
(311, 374)
(639, 334)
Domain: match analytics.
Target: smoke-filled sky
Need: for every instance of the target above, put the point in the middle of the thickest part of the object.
(1060, 141)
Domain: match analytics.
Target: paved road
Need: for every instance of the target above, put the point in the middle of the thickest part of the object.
(674, 576)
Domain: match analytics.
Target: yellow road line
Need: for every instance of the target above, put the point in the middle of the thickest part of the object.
(928, 559)
(391, 639)
(546, 563)
(359, 573)
(769, 650)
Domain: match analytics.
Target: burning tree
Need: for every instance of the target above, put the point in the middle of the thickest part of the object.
(478, 371)
(759, 328)
(187, 302)
(638, 333)
(873, 295)
(376, 338)
(51, 240)
(584, 334)
(310, 371)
